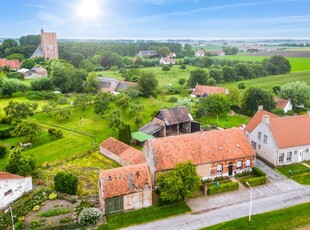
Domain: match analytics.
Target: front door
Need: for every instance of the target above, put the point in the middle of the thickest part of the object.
(230, 169)
(301, 156)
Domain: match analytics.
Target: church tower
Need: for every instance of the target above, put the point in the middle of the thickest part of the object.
(48, 47)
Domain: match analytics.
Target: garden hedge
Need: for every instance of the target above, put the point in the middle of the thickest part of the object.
(213, 189)
(257, 172)
(253, 181)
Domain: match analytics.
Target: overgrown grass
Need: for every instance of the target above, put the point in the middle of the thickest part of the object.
(225, 121)
(144, 215)
(284, 219)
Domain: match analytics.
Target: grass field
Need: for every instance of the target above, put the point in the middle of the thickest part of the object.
(303, 178)
(297, 64)
(277, 80)
(285, 219)
(225, 121)
(144, 215)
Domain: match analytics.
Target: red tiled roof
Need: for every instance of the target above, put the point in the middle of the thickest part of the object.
(200, 147)
(281, 103)
(124, 180)
(123, 150)
(257, 118)
(200, 90)
(291, 131)
(13, 64)
(9, 176)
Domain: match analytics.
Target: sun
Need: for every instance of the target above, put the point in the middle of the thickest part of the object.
(88, 9)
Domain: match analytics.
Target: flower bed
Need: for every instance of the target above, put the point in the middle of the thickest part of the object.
(55, 212)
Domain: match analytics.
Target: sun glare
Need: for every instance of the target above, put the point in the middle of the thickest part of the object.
(88, 9)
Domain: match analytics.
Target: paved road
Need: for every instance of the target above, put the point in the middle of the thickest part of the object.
(272, 174)
(196, 221)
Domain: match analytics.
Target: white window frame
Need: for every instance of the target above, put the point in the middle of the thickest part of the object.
(248, 164)
(239, 165)
(219, 169)
(289, 156)
(281, 157)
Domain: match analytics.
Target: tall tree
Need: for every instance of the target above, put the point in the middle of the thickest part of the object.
(277, 65)
(253, 97)
(197, 76)
(298, 92)
(28, 129)
(215, 104)
(147, 83)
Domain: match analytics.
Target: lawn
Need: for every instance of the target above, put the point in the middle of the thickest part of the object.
(225, 121)
(297, 63)
(302, 178)
(289, 218)
(277, 80)
(144, 215)
(86, 168)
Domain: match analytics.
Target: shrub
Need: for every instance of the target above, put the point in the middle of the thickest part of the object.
(82, 205)
(19, 226)
(89, 216)
(6, 133)
(56, 133)
(66, 183)
(36, 208)
(65, 220)
(2, 151)
(43, 83)
(53, 196)
(34, 224)
(257, 172)
(247, 173)
(213, 189)
(55, 212)
(173, 99)
(21, 219)
(253, 181)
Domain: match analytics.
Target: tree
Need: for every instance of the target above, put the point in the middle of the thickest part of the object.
(277, 65)
(183, 67)
(30, 40)
(244, 71)
(230, 50)
(20, 109)
(28, 63)
(216, 74)
(215, 104)
(298, 92)
(66, 183)
(183, 102)
(254, 97)
(92, 84)
(211, 81)
(115, 120)
(87, 65)
(165, 68)
(9, 43)
(16, 56)
(124, 134)
(122, 101)
(59, 72)
(147, 83)
(164, 51)
(63, 113)
(82, 101)
(197, 76)
(19, 163)
(234, 95)
(181, 81)
(178, 183)
(28, 129)
(241, 85)
(75, 81)
(101, 103)
(11, 86)
(229, 73)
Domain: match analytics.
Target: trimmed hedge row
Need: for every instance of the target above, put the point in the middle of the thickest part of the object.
(257, 172)
(213, 189)
(72, 225)
(253, 181)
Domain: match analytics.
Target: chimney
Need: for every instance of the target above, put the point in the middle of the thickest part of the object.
(266, 119)
(260, 107)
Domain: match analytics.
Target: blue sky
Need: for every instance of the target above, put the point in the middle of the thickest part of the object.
(159, 19)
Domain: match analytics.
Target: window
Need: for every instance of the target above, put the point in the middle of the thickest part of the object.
(258, 146)
(239, 165)
(248, 164)
(219, 169)
(265, 139)
(281, 157)
(307, 150)
(253, 143)
(289, 157)
(295, 152)
(8, 192)
(259, 136)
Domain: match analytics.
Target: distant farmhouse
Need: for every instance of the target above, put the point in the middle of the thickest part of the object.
(200, 53)
(48, 47)
(201, 91)
(113, 86)
(171, 55)
(125, 188)
(169, 122)
(216, 53)
(148, 53)
(167, 61)
(214, 153)
(280, 140)
(12, 187)
(12, 64)
(284, 104)
(35, 72)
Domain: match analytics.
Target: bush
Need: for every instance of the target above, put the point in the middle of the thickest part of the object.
(173, 99)
(6, 133)
(41, 96)
(66, 183)
(243, 174)
(53, 196)
(43, 83)
(65, 220)
(36, 208)
(34, 224)
(253, 181)
(257, 172)
(213, 189)
(57, 133)
(16, 75)
(89, 216)
(2, 151)
(82, 205)
(19, 226)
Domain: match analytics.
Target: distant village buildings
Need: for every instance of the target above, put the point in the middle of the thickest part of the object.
(48, 47)
(201, 91)
(12, 64)
(114, 86)
(35, 72)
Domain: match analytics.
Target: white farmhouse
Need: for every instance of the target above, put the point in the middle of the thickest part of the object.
(280, 140)
(12, 187)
